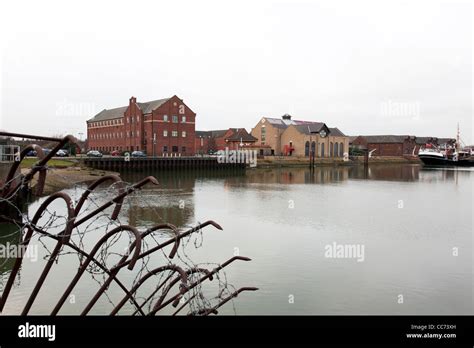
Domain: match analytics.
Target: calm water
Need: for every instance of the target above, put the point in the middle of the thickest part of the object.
(408, 219)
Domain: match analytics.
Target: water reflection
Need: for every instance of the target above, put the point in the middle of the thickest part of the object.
(406, 252)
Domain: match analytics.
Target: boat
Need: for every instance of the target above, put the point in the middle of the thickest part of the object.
(448, 154)
(433, 156)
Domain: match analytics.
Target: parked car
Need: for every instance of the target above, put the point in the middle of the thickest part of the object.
(116, 153)
(94, 153)
(31, 153)
(138, 154)
(46, 151)
(62, 153)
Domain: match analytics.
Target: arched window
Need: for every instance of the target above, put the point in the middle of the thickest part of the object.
(341, 149)
(306, 148)
(336, 149)
(313, 148)
(322, 149)
(331, 149)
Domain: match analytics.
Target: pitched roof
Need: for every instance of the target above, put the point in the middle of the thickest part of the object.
(424, 140)
(109, 114)
(352, 138)
(385, 138)
(202, 134)
(284, 123)
(336, 132)
(212, 133)
(310, 128)
(446, 140)
(146, 107)
(242, 135)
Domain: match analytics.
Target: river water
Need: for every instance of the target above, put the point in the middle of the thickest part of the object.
(412, 226)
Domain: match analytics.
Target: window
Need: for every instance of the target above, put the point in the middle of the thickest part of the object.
(183, 134)
(183, 149)
(128, 119)
(138, 118)
(138, 133)
(263, 135)
(336, 150)
(322, 149)
(165, 148)
(306, 148)
(175, 119)
(313, 149)
(165, 133)
(331, 150)
(165, 118)
(183, 119)
(174, 134)
(341, 150)
(174, 149)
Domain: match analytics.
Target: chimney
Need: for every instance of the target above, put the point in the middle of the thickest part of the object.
(133, 100)
(286, 117)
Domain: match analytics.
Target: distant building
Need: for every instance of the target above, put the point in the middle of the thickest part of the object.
(300, 138)
(396, 145)
(215, 140)
(386, 145)
(164, 126)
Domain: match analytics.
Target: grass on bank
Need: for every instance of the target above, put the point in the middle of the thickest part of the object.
(52, 163)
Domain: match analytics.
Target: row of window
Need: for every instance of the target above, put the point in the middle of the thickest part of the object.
(335, 149)
(132, 119)
(174, 134)
(117, 121)
(108, 149)
(131, 134)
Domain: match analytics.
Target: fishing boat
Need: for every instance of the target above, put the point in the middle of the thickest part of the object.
(433, 157)
(448, 154)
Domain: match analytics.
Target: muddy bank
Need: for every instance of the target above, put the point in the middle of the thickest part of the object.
(58, 179)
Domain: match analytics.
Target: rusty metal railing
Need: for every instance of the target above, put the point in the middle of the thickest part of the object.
(127, 263)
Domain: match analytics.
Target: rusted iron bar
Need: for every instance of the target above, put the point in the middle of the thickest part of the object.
(16, 164)
(28, 136)
(120, 265)
(117, 199)
(224, 301)
(189, 272)
(65, 236)
(175, 299)
(94, 250)
(40, 164)
(175, 268)
(182, 235)
(27, 238)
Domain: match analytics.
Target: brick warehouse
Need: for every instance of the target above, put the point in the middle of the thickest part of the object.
(158, 127)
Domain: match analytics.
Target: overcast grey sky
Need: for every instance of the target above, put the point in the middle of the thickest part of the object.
(367, 67)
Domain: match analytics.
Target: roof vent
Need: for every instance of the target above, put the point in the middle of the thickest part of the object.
(286, 117)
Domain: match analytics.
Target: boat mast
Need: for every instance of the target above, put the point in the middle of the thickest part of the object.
(458, 140)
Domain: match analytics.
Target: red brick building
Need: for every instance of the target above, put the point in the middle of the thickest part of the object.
(157, 127)
(386, 145)
(396, 145)
(215, 140)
